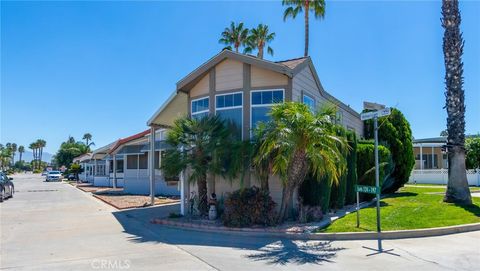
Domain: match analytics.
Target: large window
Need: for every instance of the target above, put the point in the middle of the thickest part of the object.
(309, 101)
(200, 108)
(143, 162)
(261, 103)
(230, 108)
(132, 161)
(119, 166)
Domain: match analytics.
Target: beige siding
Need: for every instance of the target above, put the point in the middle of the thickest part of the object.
(229, 75)
(201, 88)
(262, 78)
(304, 82)
(177, 108)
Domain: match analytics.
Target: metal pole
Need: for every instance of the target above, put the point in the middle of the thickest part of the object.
(358, 210)
(377, 181)
(152, 165)
(114, 171)
(182, 189)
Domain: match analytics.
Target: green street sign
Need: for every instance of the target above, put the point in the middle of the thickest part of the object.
(366, 189)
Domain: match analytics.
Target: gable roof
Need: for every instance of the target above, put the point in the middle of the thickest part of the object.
(289, 67)
(122, 141)
(175, 106)
(197, 74)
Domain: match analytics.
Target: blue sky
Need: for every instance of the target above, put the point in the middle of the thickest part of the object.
(105, 67)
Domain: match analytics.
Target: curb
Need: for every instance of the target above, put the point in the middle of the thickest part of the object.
(262, 232)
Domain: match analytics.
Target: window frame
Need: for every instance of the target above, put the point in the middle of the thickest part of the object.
(262, 105)
(231, 107)
(305, 95)
(199, 112)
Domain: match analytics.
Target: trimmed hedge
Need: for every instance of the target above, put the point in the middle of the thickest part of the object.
(350, 195)
(395, 133)
(366, 165)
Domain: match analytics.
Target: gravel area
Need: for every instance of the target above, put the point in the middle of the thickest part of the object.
(123, 201)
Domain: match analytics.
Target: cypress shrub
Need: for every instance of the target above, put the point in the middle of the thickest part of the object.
(395, 133)
(316, 193)
(350, 195)
(366, 165)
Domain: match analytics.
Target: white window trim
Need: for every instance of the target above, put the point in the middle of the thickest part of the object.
(199, 112)
(261, 105)
(230, 107)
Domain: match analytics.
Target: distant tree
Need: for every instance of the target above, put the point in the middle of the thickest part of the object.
(457, 186)
(21, 150)
(40, 145)
(76, 169)
(5, 156)
(235, 36)
(14, 150)
(305, 6)
(444, 133)
(69, 150)
(259, 38)
(88, 138)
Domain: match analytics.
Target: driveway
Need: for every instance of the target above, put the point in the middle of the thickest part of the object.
(53, 226)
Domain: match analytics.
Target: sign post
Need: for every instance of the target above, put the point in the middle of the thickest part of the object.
(366, 116)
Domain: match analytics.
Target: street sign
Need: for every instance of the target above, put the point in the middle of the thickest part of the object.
(366, 189)
(373, 114)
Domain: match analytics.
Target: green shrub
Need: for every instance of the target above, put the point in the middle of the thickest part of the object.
(316, 193)
(350, 195)
(247, 207)
(366, 165)
(472, 148)
(395, 133)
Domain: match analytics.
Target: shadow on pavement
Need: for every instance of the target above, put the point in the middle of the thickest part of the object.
(136, 223)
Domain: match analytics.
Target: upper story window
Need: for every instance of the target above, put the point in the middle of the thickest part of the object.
(200, 108)
(309, 101)
(230, 108)
(339, 117)
(261, 103)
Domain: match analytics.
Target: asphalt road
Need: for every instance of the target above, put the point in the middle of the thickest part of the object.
(54, 226)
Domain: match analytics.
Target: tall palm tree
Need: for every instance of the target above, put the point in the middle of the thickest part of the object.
(88, 138)
(457, 188)
(21, 150)
(204, 141)
(259, 38)
(236, 35)
(297, 6)
(41, 144)
(299, 141)
(14, 150)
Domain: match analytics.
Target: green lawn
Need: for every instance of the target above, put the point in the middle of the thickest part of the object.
(411, 208)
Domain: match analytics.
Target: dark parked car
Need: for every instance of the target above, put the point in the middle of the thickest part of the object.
(71, 177)
(7, 188)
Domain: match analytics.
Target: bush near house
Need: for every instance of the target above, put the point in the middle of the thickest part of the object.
(366, 165)
(352, 176)
(472, 146)
(395, 133)
(247, 207)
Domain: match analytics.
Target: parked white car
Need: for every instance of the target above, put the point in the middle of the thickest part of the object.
(54, 176)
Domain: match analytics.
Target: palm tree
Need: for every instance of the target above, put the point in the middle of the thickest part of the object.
(14, 150)
(297, 6)
(88, 138)
(236, 35)
(298, 141)
(204, 142)
(258, 39)
(41, 144)
(34, 147)
(457, 188)
(21, 150)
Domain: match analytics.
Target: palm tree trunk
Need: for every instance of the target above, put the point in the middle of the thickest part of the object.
(306, 27)
(202, 195)
(260, 52)
(457, 188)
(297, 171)
(264, 183)
(20, 157)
